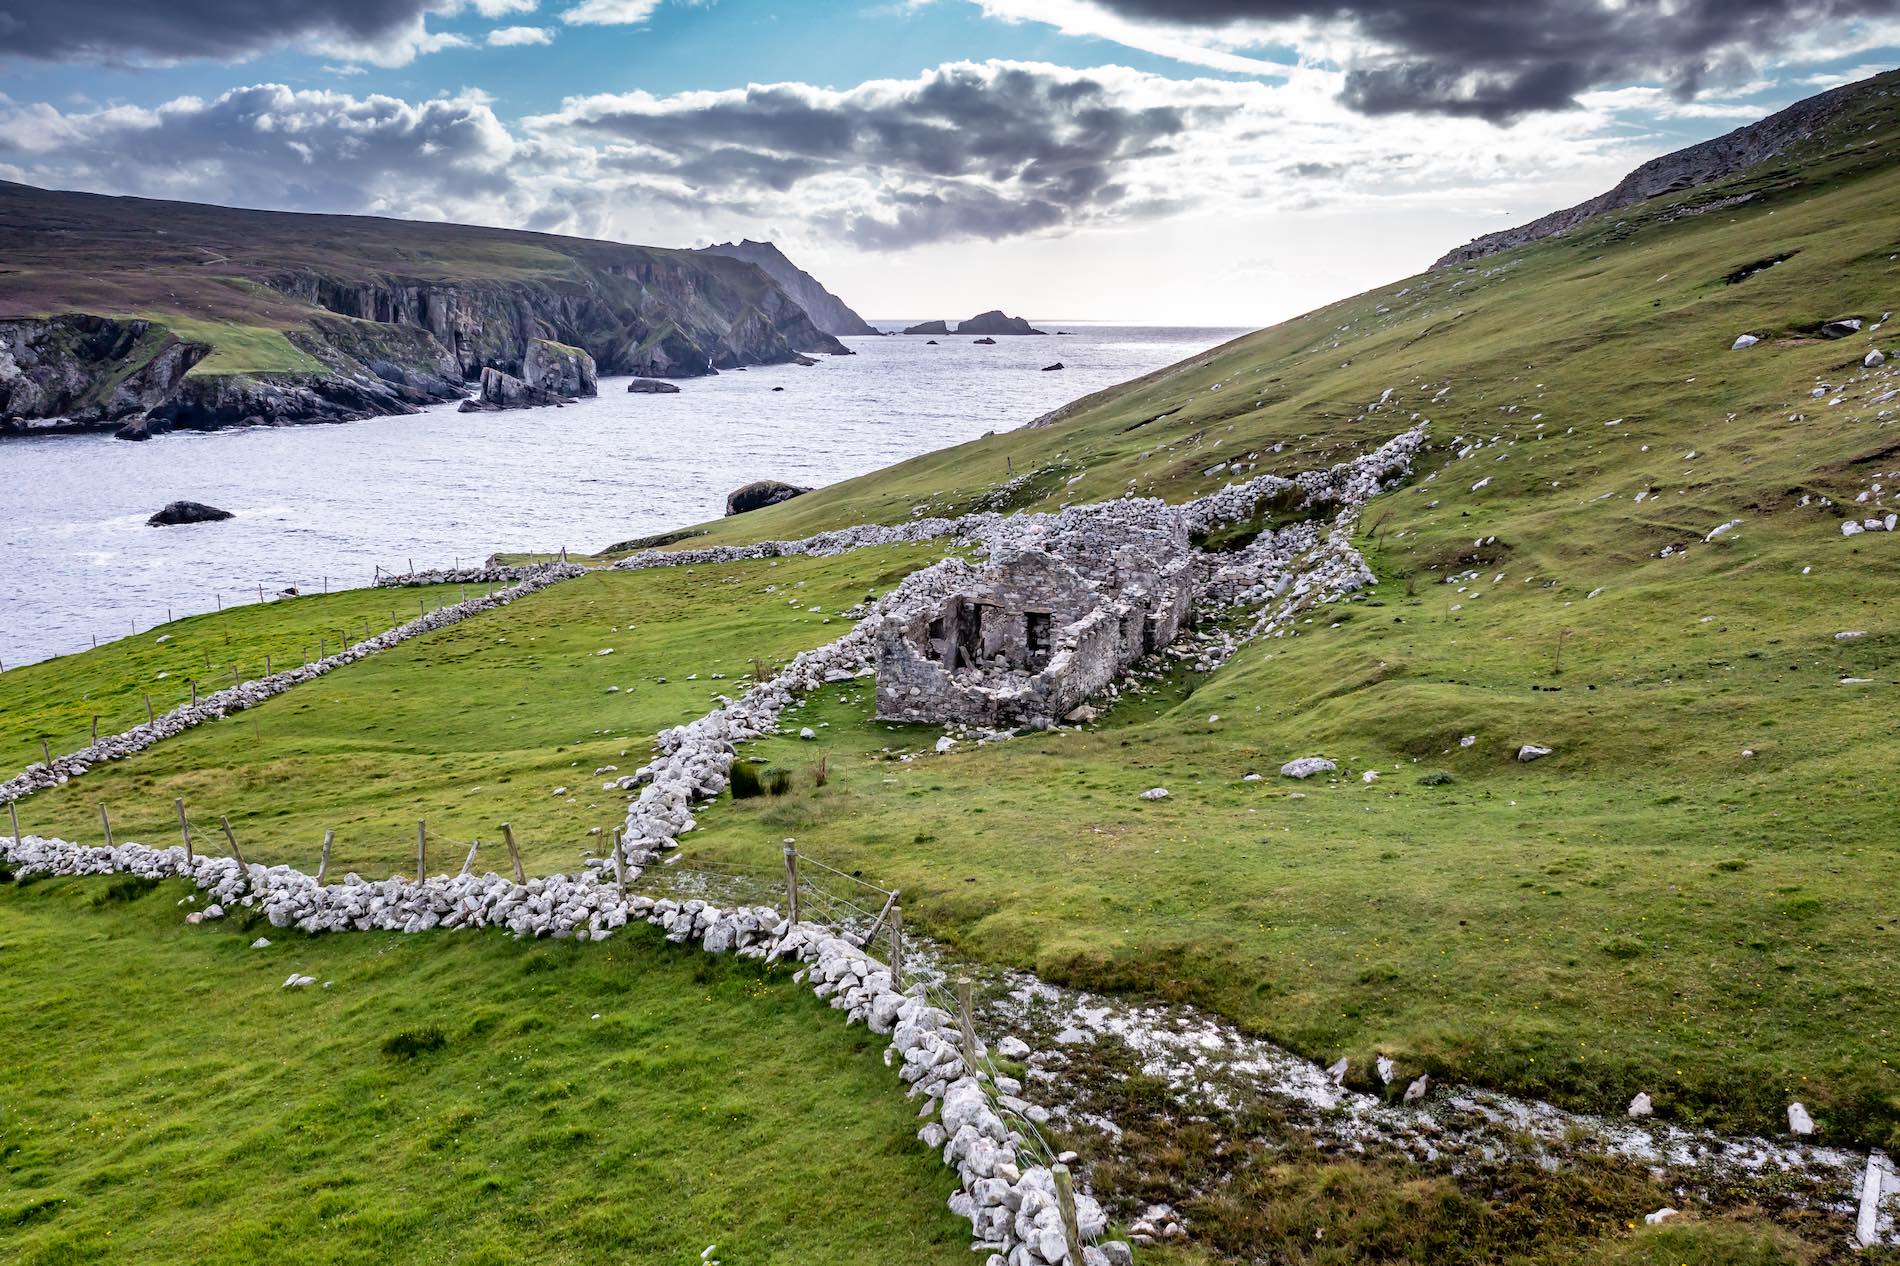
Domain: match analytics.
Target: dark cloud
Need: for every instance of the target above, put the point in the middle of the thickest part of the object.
(1499, 59)
(119, 31)
(966, 150)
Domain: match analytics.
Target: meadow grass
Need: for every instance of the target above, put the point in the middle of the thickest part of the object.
(455, 1097)
(56, 699)
(481, 723)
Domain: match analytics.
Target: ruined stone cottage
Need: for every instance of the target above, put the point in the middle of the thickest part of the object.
(1045, 625)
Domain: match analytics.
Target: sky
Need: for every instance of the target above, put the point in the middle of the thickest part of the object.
(1213, 162)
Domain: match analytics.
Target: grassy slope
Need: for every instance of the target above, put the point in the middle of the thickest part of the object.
(477, 724)
(1647, 910)
(56, 699)
(627, 1101)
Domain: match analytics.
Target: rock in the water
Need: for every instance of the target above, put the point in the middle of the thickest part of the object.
(564, 371)
(1532, 751)
(1745, 340)
(505, 391)
(653, 387)
(929, 327)
(187, 512)
(761, 493)
(995, 321)
(930, 342)
(1052, 368)
(988, 342)
(1307, 766)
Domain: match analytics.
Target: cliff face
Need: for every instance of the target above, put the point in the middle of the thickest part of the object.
(295, 318)
(1710, 160)
(827, 311)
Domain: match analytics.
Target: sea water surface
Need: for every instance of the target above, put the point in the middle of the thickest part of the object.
(319, 505)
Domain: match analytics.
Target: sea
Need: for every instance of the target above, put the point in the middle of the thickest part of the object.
(324, 506)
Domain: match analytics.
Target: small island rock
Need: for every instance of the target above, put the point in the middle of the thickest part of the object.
(995, 321)
(929, 327)
(653, 387)
(187, 512)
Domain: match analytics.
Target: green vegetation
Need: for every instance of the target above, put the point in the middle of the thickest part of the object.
(56, 699)
(449, 1097)
(478, 724)
(241, 349)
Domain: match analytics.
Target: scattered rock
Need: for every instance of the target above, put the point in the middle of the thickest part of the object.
(808, 733)
(1640, 1106)
(1745, 340)
(1799, 1122)
(187, 512)
(1874, 359)
(1840, 327)
(299, 982)
(1306, 767)
(262, 942)
(1013, 1047)
(1532, 751)
(1661, 1216)
(1155, 793)
(1416, 1091)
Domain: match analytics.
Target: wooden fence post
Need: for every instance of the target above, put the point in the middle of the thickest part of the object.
(620, 866)
(235, 681)
(323, 863)
(13, 813)
(966, 1023)
(468, 863)
(46, 754)
(514, 854)
(194, 690)
(422, 850)
(95, 727)
(1065, 1205)
(230, 838)
(897, 948)
(105, 824)
(791, 882)
(150, 716)
(184, 827)
(267, 668)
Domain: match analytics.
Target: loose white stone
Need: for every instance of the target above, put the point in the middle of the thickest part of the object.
(1306, 767)
(1155, 793)
(1533, 751)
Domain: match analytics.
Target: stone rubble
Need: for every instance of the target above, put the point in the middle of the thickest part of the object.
(210, 707)
(1009, 1200)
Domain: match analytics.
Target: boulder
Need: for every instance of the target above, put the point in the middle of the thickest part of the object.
(1532, 751)
(761, 493)
(1306, 767)
(652, 387)
(1743, 340)
(1840, 327)
(989, 342)
(929, 327)
(187, 512)
(501, 391)
(1874, 359)
(1052, 368)
(995, 321)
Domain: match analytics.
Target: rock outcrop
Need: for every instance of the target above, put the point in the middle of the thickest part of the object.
(995, 321)
(826, 310)
(761, 493)
(501, 391)
(653, 387)
(51, 367)
(555, 367)
(929, 327)
(187, 512)
(1725, 155)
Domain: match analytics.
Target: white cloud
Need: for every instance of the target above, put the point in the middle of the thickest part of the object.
(610, 12)
(502, 8)
(516, 36)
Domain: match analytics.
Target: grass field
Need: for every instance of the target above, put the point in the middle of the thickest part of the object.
(56, 699)
(477, 724)
(464, 1098)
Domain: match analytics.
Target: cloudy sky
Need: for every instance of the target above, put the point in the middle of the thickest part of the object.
(1181, 161)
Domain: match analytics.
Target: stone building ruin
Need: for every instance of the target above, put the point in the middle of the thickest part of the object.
(1028, 638)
